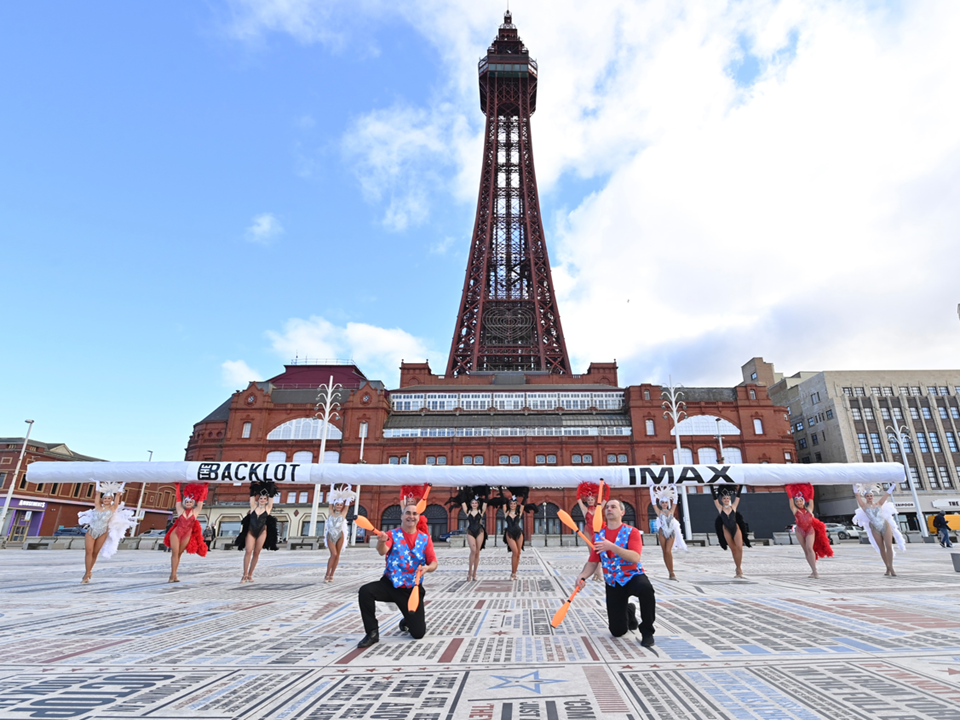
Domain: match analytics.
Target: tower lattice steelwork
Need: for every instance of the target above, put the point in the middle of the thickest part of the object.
(508, 314)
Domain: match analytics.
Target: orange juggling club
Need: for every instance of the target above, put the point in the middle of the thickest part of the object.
(562, 612)
(414, 600)
(598, 513)
(422, 505)
(367, 525)
(569, 522)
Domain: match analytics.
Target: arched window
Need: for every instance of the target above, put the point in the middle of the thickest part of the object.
(303, 456)
(629, 514)
(390, 520)
(277, 456)
(706, 456)
(546, 521)
(436, 520)
(704, 425)
(577, 514)
(652, 517)
(461, 520)
(686, 457)
(732, 456)
(303, 429)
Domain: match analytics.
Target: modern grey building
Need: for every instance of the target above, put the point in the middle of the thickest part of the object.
(852, 416)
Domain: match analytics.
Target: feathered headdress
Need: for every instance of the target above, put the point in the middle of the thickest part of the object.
(592, 489)
(800, 490)
(267, 487)
(867, 489)
(414, 493)
(109, 488)
(468, 494)
(342, 495)
(719, 491)
(196, 492)
(664, 492)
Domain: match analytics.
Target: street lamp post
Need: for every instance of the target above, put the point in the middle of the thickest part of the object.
(720, 440)
(901, 432)
(326, 411)
(13, 481)
(143, 486)
(356, 501)
(675, 408)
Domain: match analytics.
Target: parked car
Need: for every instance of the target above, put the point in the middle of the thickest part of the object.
(75, 531)
(843, 531)
(156, 532)
(447, 535)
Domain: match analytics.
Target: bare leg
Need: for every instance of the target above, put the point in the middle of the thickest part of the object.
(666, 545)
(888, 544)
(258, 546)
(334, 558)
(806, 542)
(476, 560)
(885, 550)
(92, 550)
(247, 554)
(472, 544)
(515, 548)
(175, 552)
(735, 542)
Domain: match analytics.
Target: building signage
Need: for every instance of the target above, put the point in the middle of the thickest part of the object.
(904, 504)
(33, 504)
(947, 504)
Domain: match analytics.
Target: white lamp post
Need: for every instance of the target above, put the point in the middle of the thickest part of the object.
(901, 432)
(675, 408)
(143, 486)
(364, 428)
(13, 481)
(720, 440)
(326, 411)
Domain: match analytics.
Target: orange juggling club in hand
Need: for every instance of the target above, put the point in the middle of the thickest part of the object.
(569, 522)
(562, 612)
(422, 505)
(367, 525)
(598, 513)
(414, 600)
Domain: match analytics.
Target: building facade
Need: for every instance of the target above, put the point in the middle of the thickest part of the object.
(532, 419)
(41, 509)
(855, 416)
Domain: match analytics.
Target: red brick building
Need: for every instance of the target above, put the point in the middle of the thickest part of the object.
(492, 418)
(39, 509)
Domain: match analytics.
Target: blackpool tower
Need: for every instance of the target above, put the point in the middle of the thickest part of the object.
(508, 319)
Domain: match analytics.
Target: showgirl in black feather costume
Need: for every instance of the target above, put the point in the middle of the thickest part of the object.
(259, 528)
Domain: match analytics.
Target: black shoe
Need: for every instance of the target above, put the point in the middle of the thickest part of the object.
(402, 627)
(632, 623)
(368, 640)
(647, 641)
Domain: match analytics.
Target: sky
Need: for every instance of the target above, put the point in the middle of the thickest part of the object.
(193, 194)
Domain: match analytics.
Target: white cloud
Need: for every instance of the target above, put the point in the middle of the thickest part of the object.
(264, 229)
(377, 351)
(810, 216)
(237, 374)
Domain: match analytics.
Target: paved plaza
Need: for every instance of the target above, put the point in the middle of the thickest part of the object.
(853, 644)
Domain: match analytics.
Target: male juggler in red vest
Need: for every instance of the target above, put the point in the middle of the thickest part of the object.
(405, 549)
(617, 551)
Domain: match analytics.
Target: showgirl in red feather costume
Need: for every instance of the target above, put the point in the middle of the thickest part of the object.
(811, 533)
(186, 535)
(589, 500)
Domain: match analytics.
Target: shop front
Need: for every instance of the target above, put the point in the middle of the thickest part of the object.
(23, 519)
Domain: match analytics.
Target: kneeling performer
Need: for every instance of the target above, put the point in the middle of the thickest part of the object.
(406, 549)
(618, 548)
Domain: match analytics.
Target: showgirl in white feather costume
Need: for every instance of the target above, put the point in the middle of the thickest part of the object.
(671, 537)
(878, 519)
(107, 522)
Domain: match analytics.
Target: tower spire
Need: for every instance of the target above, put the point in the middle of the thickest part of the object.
(508, 316)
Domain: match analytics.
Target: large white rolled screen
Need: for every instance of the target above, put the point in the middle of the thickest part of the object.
(461, 475)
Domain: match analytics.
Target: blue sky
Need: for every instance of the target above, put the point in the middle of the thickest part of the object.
(192, 192)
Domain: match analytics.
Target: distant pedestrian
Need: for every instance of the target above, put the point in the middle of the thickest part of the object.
(943, 529)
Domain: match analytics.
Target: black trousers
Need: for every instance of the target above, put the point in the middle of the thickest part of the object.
(383, 591)
(617, 595)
